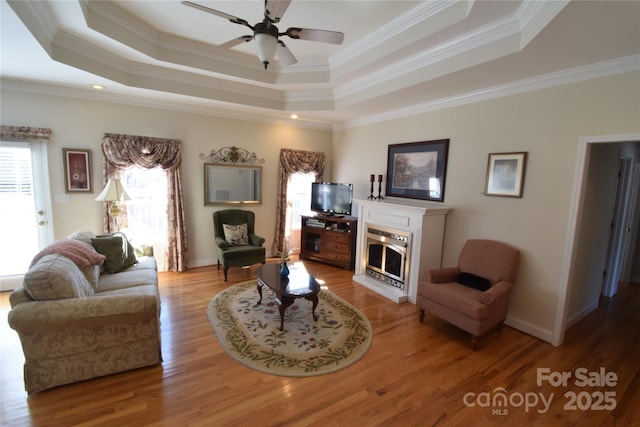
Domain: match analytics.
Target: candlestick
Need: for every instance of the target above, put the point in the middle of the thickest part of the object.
(372, 179)
(379, 196)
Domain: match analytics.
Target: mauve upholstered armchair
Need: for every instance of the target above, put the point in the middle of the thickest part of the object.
(474, 295)
(239, 246)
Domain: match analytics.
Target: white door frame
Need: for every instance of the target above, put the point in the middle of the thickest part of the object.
(575, 216)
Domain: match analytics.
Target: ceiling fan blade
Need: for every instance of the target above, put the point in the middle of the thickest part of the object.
(323, 36)
(231, 18)
(235, 42)
(284, 54)
(274, 9)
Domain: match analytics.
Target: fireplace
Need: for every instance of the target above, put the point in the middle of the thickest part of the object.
(387, 255)
(396, 242)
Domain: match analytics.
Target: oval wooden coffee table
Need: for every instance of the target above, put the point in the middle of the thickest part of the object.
(299, 284)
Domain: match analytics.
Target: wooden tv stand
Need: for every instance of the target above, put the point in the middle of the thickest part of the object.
(329, 239)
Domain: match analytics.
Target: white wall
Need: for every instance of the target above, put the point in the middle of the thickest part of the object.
(79, 123)
(547, 124)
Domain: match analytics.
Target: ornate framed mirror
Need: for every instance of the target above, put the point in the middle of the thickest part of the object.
(234, 178)
(232, 184)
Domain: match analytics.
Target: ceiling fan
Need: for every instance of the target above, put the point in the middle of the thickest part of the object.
(266, 34)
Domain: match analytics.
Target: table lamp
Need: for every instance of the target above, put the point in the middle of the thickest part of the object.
(113, 192)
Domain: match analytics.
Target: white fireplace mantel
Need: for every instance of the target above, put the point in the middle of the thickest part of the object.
(425, 221)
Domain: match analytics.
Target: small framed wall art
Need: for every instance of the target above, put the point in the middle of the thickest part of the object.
(417, 170)
(77, 170)
(505, 174)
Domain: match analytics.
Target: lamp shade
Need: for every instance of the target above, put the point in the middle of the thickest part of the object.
(113, 191)
(266, 47)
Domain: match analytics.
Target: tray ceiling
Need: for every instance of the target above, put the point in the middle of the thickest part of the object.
(397, 56)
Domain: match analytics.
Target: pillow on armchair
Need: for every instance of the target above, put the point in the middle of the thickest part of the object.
(236, 235)
(474, 282)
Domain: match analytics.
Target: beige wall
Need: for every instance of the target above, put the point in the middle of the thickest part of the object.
(81, 124)
(547, 124)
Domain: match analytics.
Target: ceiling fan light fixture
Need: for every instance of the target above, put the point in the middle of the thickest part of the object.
(266, 34)
(266, 47)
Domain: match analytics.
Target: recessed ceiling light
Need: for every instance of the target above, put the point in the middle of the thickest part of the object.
(97, 87)
(294, 116)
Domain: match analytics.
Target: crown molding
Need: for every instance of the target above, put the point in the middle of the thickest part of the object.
(115, 23)
(573, 75)
(191, 106)
(534, 15)
(418, 15)
(36, 16)
(499, 38)
(253, 87)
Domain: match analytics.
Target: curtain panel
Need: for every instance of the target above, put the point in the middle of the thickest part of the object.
(24, 132)
(123, 151)
(292, 161)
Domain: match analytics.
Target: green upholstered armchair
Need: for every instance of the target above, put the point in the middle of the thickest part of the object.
(240, 246)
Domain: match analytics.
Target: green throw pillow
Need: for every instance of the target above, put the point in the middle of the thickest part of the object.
(119, 252)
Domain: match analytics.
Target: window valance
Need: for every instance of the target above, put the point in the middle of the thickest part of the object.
(301, 161)
(24, 132)
(147, 152)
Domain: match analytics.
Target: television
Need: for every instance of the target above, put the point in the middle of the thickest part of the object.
(330, 198)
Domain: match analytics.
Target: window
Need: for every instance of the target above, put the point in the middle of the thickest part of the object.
(298, 203)
(15, 172)
(147, 209)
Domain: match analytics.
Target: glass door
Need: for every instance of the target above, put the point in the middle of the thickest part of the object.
(25, 216)
(298, 202)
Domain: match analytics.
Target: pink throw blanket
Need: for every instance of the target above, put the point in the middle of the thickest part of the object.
(81, 253)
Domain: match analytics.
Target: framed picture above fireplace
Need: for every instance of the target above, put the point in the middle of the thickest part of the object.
(417, 170)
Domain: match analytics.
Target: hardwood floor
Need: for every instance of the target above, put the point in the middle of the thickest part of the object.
(414, 374)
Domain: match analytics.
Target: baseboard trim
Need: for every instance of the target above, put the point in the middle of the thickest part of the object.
(575, 318)
(203, 262)
(529, 328)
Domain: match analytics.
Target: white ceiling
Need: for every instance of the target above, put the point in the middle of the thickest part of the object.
(398, 57)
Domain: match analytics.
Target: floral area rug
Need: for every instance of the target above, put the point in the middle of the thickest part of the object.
(250, 334)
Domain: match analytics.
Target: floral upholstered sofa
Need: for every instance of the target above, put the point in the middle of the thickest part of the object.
(87, 308)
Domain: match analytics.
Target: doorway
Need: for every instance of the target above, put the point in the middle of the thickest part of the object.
(25, 219)
(575, 283)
